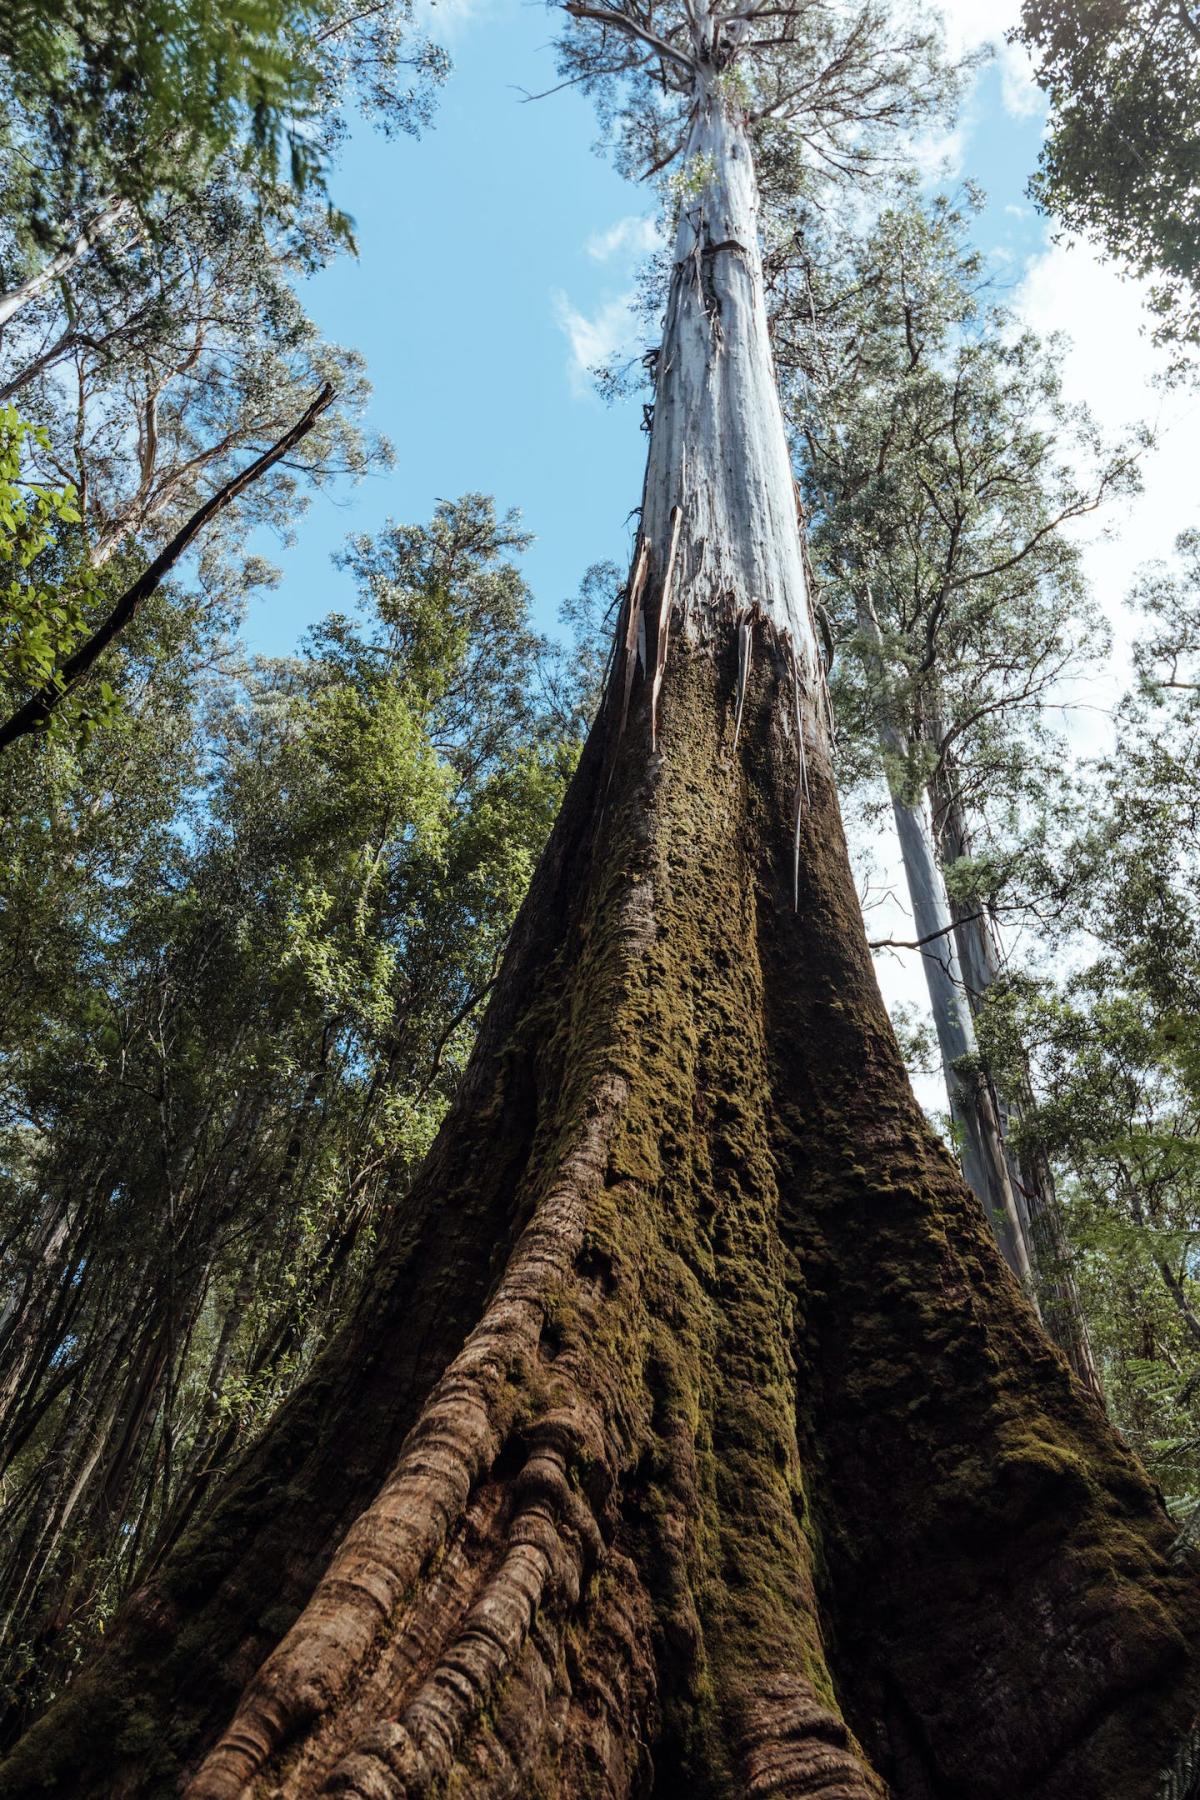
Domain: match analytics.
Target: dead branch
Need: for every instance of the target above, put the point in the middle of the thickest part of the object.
(34, 715)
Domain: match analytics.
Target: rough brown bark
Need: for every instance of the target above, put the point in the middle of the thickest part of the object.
(692, 1436)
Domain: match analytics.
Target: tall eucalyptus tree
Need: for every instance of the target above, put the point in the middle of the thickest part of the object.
(686, 1287)
(944, 470)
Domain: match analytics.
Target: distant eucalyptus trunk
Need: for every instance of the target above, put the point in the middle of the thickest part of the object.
(691, 1436)
(976, 938)
(985, 1161)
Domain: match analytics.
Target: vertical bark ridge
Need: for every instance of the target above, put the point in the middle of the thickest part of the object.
(793, 1747)
(610, 1248)
(463, 1429)
(754, 1455)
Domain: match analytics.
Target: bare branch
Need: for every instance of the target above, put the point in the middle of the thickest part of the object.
(605, 15)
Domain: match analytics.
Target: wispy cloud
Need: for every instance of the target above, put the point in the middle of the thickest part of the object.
(446, 20)
(593, 341)
(971, 25)
(635, 235)
(939, 156)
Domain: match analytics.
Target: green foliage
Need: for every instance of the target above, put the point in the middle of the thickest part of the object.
(942, 471)
(139, 104)
(45, 589)
(244, 948)
(1121, 157)
(1112, 1030)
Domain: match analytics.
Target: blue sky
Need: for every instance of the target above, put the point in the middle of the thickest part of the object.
(471, 244)
(495, 259)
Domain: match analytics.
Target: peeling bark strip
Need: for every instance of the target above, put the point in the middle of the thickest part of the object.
(745, 655)
(664, 625)
(633, 617)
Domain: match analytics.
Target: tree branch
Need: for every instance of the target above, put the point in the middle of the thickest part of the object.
(605, 15)
(929, 938)
(35, 713)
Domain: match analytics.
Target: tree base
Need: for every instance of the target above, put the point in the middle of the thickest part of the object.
(693, 1437)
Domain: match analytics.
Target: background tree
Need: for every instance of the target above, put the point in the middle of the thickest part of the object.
(161, 358)
(238, 1035)
(119, 113)
(1121, 158)
(1108, 1011)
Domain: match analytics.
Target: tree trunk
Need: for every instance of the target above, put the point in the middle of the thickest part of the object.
(12, 302)
(977, 940)
(691, 1436)
(985, 1163)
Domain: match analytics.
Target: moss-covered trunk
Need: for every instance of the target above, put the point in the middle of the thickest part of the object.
(693, 1436)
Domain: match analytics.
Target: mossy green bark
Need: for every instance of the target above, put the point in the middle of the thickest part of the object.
(856, 1522)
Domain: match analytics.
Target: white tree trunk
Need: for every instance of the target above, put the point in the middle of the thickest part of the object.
(980, 954)
(984, 1156)
(12, 302)
(718, 447)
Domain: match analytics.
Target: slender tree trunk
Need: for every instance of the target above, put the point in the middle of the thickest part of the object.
(985, 1161)
(977, 940)
(12, 302)
(691, 1435)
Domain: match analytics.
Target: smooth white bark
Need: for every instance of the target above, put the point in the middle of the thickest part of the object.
(718, 448)
(985, 1162)
(981, 961)
(12, 302)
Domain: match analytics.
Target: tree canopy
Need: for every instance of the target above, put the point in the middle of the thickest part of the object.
(1121, 158)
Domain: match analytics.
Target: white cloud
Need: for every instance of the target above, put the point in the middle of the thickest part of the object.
(975, 24)
(593, 340)
(635, 235)
(1111, 364)
(939, 157)
(970, 23)
(1020, 94)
